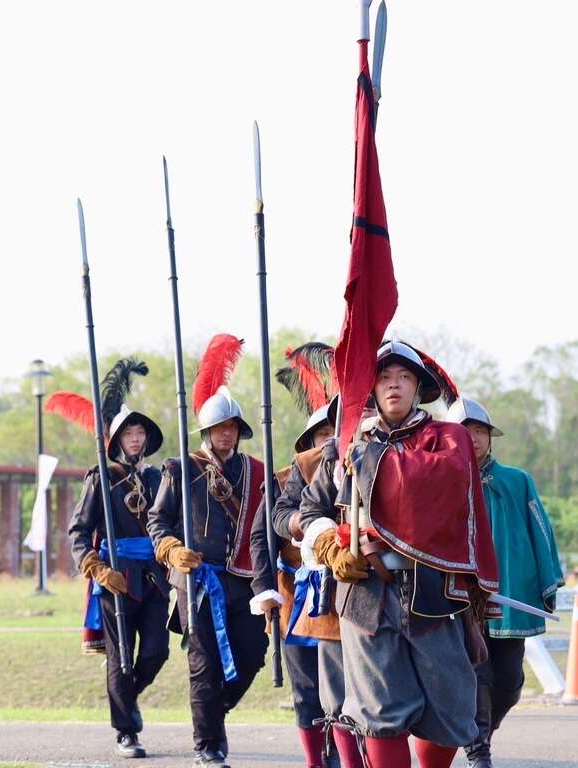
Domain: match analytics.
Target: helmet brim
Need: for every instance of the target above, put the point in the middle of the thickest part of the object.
(245, 431)
(430, 390)
(154, 435)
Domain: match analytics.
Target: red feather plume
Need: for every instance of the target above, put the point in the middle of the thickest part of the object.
(216, 367)
(311, 382)
(449, 391)
(72, 407)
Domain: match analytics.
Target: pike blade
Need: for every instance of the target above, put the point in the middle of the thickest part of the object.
(378, 50)
(257, 161)
(82, 233)
(167, 197)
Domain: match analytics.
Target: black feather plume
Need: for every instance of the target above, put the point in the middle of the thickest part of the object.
(309, 375)
(116, 386)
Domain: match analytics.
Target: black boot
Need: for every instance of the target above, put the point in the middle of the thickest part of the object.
(478, 753)
(210, 755)
(502, 703)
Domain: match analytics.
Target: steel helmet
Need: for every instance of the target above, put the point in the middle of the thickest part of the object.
(465, 409)
(403, 354)
(318, 418)
(124, 418)
(221, 407)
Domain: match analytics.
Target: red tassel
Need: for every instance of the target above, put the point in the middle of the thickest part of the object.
(216, 367)
(71, 407)
(343, 535)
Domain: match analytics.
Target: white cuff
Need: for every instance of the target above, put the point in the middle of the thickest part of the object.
(268, 594)
(315, 529)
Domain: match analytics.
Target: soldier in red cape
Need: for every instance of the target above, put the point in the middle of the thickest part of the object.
(426, 556)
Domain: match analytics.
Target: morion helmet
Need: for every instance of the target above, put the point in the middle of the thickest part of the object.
(401, 353)
(465, 409)
(212, 401)
(318, 418)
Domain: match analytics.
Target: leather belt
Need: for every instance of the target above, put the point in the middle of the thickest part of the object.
(384, 560)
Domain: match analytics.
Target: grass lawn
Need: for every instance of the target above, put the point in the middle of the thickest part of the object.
(44, 676)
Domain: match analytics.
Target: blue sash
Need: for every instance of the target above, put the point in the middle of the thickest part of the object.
(307, 586)
(136, 548)
(206, 577)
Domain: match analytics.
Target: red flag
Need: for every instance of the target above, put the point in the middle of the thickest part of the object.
(371, 290)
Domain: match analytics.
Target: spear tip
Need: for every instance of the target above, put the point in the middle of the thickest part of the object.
(257, 165)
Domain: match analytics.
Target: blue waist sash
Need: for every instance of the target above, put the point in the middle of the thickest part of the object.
(307, 587)
(206, 577)
(136, 548)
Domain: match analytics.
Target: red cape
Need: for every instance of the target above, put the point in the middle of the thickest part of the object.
(426, 499)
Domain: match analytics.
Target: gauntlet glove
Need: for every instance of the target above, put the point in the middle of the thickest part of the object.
(345, 566)
(96, 569)
(172, 551)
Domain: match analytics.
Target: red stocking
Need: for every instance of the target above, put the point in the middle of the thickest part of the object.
(431, 755)
(312, 740)
(346, 744)
(388, 753)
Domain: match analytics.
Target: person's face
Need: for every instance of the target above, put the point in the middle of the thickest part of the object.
(394, 390)
(480, 435)
(322, 434)
(224, 436)
(132, 439)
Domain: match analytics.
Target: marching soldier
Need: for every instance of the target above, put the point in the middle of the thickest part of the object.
(403, 605)
(529, 571)
(298, 630)
(132, 436)
(227, 648)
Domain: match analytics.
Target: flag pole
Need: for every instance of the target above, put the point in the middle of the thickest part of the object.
(182, 412)
(354, 508)
(266, 398)
(125, 659)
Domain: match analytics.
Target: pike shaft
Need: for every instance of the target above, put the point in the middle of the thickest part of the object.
(182, 412)
(125, 659)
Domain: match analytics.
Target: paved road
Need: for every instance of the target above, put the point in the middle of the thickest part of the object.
(536, 737)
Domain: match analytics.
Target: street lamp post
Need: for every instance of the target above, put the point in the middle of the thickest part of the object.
(38, 374)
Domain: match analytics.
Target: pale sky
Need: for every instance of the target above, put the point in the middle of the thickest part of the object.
(476, 135)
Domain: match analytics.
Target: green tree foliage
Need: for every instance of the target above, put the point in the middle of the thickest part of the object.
(156, 395)
(538, 412)
(564, 516)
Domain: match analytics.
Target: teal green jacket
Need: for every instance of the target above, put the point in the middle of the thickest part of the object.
(525, 547)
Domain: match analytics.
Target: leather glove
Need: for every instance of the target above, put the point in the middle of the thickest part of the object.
(102, 573)
(172, 551)
(345, 566)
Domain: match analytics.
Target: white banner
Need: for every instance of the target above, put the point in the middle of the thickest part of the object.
(36, 538)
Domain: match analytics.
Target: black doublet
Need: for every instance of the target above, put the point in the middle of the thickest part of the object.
(145, 605)
(213, 530)
(88, 520)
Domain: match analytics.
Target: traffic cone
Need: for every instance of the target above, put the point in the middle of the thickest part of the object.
(571, 692)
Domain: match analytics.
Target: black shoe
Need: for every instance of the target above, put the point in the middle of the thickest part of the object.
(129, 746)
(223, 743)
(137, 718)
(210, 756)
(479, 761)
